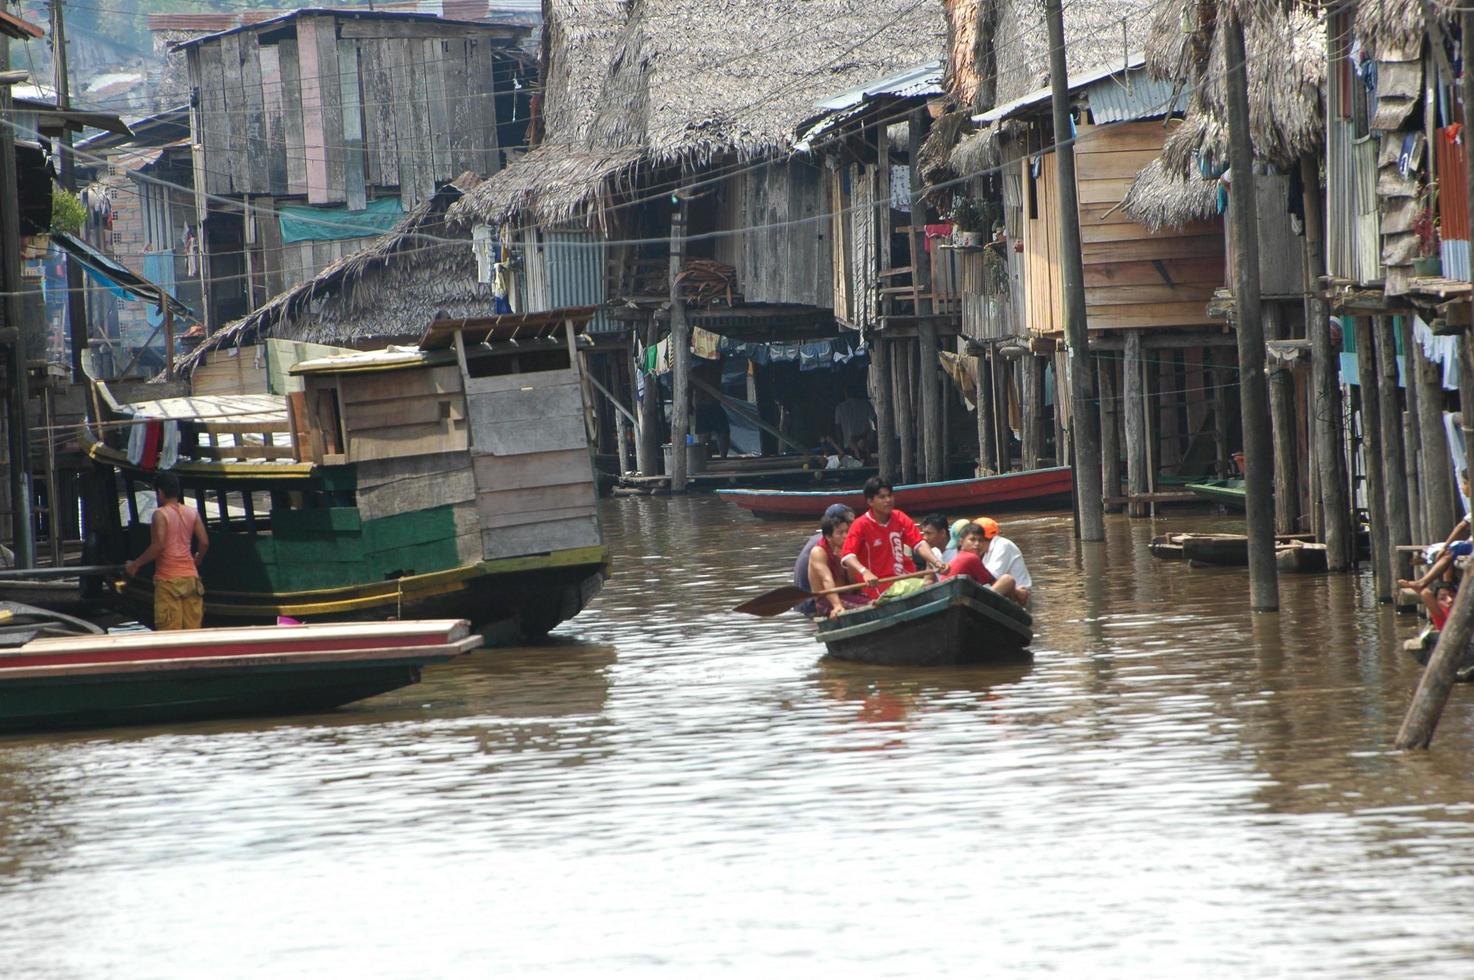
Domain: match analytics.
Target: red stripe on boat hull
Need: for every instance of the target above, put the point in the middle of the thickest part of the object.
(964, 498)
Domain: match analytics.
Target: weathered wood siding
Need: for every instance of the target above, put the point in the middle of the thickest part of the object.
(398, 414)
(785, 256)
(337, 107)
(530, 456)
(1133, 277)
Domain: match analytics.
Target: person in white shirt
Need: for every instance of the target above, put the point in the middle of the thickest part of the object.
(1004, 558)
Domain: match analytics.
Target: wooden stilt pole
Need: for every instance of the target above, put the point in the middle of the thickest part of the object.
(1220, 378)
(650, 420)
(882, 395)
(1394, 488)
(1438, 482)
(1084, 425)
(1254, 415)
(930, 437)
(1002, 431)
(1031, 385)
(1282, 418)
(1133, 398)
(1412, 441)
(987, 448)
(1326, 414)
(1372, 450)
(1110, 439)
(905, 408)
(680, 344)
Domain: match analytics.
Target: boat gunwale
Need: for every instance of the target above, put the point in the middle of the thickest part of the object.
(1020, 624)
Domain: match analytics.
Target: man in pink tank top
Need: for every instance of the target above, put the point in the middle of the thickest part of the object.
(179, 596)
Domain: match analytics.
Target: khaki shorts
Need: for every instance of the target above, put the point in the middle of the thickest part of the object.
(179, 603)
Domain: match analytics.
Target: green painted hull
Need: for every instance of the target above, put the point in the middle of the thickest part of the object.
(1229, 493)
(155, 697)
(951, 623)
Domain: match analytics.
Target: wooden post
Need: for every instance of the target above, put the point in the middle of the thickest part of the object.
(1325, 389)
(905, 407)
(76, 298)
(1438, 677)
(1031, 410)
(1372, 453)
(881, 392)
(1134, 402)
(650, 420)
(168, 339)
(987, 447)
(1084, 425)
(642, 449)
(930, 437)
(1394, 489)
(1110, 438)
(680, 344)
(1001, 382)
(1438, 484)
(1219, 379)
(1254, 414)
(1412, 441)
(18, 453)
(1282, 418)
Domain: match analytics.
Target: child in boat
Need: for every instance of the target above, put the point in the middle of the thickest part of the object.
(1003, 557)
(969, 562)
(1436, 587)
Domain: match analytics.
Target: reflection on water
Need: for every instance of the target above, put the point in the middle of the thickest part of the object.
(1173, 788)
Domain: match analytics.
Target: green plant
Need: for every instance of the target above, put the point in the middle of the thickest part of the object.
(969, 215)
(68, 213)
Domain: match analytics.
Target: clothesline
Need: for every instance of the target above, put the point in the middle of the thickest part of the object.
(811, 355)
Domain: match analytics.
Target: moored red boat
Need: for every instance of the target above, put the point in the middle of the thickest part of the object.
(144, 677)
(1028, 488)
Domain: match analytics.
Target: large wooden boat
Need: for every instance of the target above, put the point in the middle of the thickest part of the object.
(147, 677)
(953, 622)
(449, 479)
(1028, 488)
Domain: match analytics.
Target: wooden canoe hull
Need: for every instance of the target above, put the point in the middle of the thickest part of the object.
(1030, 488)
(150, 678)
(1228, 493)
(952, 623)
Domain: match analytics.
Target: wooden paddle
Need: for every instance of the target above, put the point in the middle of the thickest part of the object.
(784, 598)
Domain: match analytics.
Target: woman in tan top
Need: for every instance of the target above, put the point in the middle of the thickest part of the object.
(179, 596)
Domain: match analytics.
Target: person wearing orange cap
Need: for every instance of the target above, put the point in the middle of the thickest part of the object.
(1003, 557)
(969, 563)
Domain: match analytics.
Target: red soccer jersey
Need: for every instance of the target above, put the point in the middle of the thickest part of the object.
(969, 564)
(885, 549)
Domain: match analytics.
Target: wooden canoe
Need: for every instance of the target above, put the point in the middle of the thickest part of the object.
(1028, 488)
(148, 677)
(951, 623)
(1228, 493)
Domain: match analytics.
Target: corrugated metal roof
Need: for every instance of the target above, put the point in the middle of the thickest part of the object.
(1137, 96)
(1119, 71)
(921, 80)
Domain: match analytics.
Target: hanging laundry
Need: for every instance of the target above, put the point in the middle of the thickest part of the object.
(705, 344)
(815, 355)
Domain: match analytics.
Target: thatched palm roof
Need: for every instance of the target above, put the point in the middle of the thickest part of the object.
(1159, 199)
(1098, 34)
(690, 82)
(1285, 43)
(389, 290)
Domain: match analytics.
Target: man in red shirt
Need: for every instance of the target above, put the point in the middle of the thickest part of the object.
(880, 541)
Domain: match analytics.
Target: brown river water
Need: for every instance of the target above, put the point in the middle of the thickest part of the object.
(1175, 788)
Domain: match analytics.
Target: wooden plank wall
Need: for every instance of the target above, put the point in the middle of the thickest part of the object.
(530, 455)
(343, 107)
(786, 257)
(1133, 277)
(397, 414)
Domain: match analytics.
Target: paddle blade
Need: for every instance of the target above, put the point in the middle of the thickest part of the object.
(779, 600)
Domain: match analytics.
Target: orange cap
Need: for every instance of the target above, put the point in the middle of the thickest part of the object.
(989, 526)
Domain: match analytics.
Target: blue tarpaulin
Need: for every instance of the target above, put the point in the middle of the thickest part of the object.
(300, 223)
